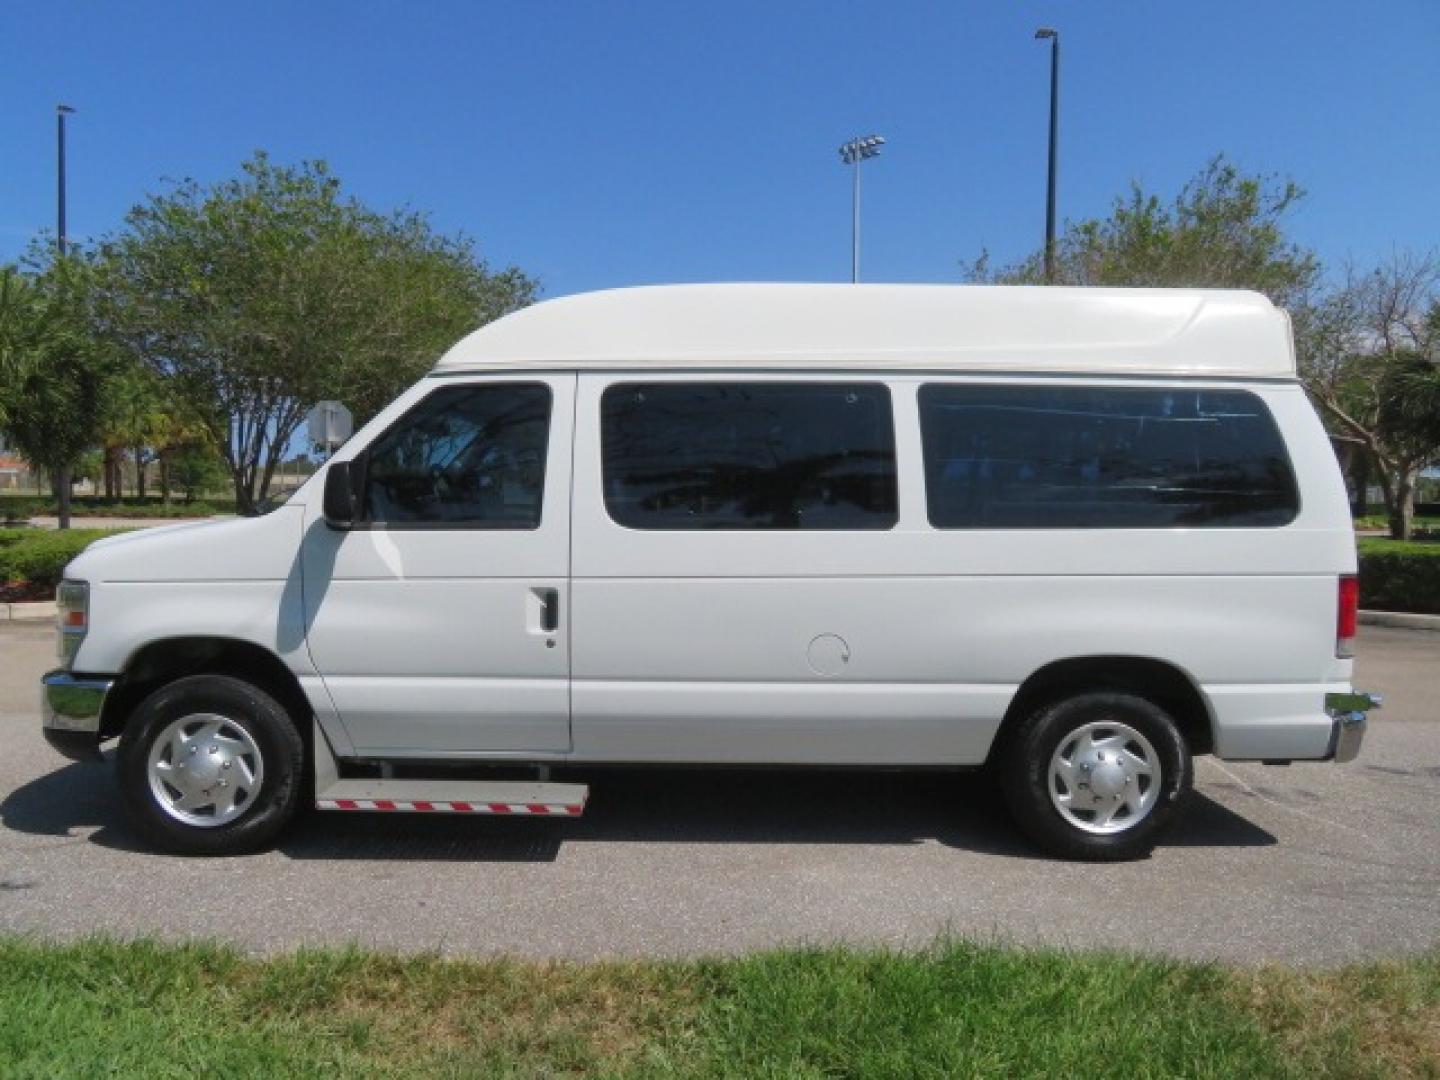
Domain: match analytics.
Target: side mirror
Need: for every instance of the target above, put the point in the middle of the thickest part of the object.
(343, 485)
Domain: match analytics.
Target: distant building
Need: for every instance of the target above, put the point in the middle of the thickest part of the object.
(13, 471)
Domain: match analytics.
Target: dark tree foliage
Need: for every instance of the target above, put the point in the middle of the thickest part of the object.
(257, 297)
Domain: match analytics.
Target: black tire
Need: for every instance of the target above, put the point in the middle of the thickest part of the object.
(1026, 783)
(264, 812)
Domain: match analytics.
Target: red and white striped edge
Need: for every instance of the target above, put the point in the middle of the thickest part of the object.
(453, 807)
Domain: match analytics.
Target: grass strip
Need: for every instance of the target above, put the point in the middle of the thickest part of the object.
(956, 1009)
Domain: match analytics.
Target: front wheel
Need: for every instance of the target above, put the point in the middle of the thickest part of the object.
(1097, 776)
(211, 765)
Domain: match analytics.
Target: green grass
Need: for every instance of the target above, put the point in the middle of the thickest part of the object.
(1380, 521)
(957, 1009)
(1378, 545)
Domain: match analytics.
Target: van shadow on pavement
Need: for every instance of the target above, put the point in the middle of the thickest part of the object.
(664, 805)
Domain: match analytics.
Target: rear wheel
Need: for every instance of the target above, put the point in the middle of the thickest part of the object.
(211, 765)
(1097, 776)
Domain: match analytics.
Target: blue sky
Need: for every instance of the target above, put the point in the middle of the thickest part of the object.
(600, 144)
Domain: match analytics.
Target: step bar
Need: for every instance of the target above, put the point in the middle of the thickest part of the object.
(407, 796)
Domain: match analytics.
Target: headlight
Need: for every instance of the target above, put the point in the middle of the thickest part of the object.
(72, 604)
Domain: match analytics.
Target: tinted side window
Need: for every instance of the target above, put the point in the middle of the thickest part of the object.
(466, 456)
(1011, 457)
(749, 455)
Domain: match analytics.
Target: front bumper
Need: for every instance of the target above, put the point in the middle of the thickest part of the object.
(1348, 717)
(70, 707)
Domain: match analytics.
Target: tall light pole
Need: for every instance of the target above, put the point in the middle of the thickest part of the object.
(61, 111)
(62, 476)
(1046, 32)
(853, 153)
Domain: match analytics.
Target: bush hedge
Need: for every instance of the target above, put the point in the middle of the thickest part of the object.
(21, 508)
(1399, 576)
(32, 560)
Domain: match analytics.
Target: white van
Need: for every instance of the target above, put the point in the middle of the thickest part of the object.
(1079, 535)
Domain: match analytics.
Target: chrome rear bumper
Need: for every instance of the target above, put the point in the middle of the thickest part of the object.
(1348, 716)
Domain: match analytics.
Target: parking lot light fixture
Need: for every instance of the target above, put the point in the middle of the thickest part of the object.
(853, 153)
(1053, 36)
(61, 112)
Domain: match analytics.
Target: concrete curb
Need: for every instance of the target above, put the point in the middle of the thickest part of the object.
(1400, 619)
(37, 609)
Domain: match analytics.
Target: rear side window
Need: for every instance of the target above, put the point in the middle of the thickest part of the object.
(464, 457)
(757, 455)
(1030, 457)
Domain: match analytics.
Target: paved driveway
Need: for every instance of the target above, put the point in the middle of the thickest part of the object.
(1308, 863)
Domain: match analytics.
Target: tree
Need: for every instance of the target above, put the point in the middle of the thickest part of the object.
(1367, 349)
(145, 418)
(1225, 230)
(1369, 353)
(135, 419)
(52, 369)
(195, 468)
(259, 296)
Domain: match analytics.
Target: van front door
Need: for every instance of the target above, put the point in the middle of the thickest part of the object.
(439, 622)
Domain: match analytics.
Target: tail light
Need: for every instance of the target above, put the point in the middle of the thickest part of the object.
(1347, 617)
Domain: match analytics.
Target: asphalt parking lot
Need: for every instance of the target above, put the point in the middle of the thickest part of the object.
(1311, 863)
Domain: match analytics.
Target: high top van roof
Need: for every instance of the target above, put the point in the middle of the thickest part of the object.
(982, 328)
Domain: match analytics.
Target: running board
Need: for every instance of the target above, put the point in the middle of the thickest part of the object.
(439, 796)
(455, 797)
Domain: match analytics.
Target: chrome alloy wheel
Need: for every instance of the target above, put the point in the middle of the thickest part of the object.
(1105, 777)
(205, 770)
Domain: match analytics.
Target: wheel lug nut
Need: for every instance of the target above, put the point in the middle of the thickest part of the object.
(227, 765)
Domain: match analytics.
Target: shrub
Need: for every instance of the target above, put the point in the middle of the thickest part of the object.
(19, 508)
(135, 509)
(36, 558)
(1399, 576)
(15, 508)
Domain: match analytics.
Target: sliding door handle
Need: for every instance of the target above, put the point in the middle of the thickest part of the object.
(549, 610)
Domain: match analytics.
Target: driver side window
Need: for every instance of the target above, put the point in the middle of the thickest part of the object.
(469, 456)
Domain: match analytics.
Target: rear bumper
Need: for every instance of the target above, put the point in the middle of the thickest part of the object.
(70, 707)
(1348, 717)
(1289, 722)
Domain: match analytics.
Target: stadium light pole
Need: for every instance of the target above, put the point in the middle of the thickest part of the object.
(853, 153)
(62, 476)
(1053, 36)
(61, 111)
